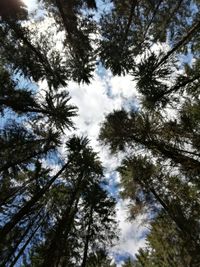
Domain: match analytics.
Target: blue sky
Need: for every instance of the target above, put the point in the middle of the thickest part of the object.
(104, 94)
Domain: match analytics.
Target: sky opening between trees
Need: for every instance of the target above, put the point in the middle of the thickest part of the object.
(100, 124)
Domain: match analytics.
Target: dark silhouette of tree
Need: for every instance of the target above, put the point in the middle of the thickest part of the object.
(129, 29)
(164, 246)
(78, 25)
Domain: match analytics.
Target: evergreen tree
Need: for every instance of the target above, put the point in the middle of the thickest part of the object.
(129, 28)
(165, 247)
(63, 216)
(76, 20)
(100, 259)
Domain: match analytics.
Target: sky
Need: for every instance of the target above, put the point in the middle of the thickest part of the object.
(31, 4)
(104, 94)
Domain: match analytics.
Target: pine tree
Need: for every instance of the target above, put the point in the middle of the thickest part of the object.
(165, 247)
(75, 18)
(129, 29)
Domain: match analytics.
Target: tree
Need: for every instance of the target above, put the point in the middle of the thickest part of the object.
(165, 247)
(167, 175)
(129, 29)
(88, 173)
(85, 222)
(98, 221)
(21, 147)
(73, 17)
(129, 263)
(100, 259)
(62, 215)
(18, 45)
(148, 130)
(63, 201)
(54, 108)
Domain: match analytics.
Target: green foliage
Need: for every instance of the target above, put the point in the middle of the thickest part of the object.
(129, 28)
(53, 208)
(99, 259)
(164, 246)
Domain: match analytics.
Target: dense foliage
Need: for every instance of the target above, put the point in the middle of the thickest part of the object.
(54, 209)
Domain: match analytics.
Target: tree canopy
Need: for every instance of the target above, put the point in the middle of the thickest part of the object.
(55, 209)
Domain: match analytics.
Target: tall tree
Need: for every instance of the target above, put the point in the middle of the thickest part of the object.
(129, 29)
(78, 24)
(164, 246)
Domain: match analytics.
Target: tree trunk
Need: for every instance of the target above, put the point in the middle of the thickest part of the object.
(28, 206)
(43, 60)
(130, 18)
(170, 16)
(168, 151)
(183, 41)
(21, 251)
(11, 164)
(177, 87)
(152, 18)
(85, 254)
(12, 252)
(63, 228)
(181, 223)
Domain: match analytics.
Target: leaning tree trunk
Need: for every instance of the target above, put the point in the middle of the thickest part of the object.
(85, 254)
(43, 60)
(63, 228)
(14, 249)
(26, 209)
(182, 224)
(21, 251)
(168, 151)
(183, 41)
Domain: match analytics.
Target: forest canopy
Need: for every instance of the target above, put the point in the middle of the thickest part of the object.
(56, 206)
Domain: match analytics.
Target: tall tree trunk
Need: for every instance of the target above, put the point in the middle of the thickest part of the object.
(130, 19)
(85, 254)
(177, 87)
(67, 19)
(43, 60)
(170, 152)
(26, 209)
(151, 20)
(63, 228)
(169, 17)
(21, 251)
(194, 29)
(14, 249)
(182, 224)
(20, 190)
(12, 164)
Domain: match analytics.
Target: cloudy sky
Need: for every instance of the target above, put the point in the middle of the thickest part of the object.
(104, 94)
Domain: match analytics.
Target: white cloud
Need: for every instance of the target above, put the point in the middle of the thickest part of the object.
(103, 95)
(132, 233)
(31, 4)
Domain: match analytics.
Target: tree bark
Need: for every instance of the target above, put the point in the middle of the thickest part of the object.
(12, 252)
(182, 224)
(168, 151)
(177, 87)
(11, 164)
